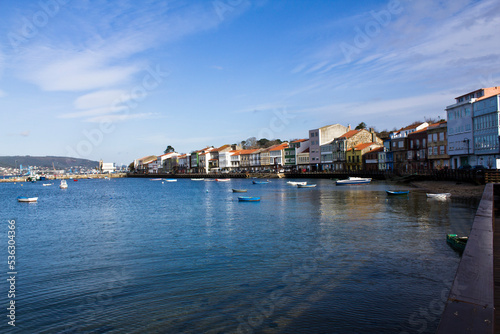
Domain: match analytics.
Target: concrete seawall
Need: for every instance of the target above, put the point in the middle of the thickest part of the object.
(470, 307)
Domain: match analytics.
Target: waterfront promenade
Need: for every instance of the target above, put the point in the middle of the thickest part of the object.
(470, 307)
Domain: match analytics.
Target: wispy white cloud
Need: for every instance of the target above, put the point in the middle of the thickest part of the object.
(427, 38)
(120, 118)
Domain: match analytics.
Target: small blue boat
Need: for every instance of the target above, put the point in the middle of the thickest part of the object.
(397, 193)
(248, 199)
(260, 182)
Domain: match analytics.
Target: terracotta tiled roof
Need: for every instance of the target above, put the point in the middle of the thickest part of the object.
(409, 127)
(223, 147)
(247, 151)
(349, 134)
(279, 147)
(300, 140)
(419, 131)
(489, 92)
(362, 146)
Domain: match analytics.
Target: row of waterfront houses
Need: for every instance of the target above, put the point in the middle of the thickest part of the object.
(469, 136)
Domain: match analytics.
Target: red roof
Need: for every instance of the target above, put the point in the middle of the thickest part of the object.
(278, 147)
(362, 146)
(248, 151)
(299, 140)
(418, 131)
(349, 134)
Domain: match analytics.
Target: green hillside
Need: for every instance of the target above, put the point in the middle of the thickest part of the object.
(58, 162)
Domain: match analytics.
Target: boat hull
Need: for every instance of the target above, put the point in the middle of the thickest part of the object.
(248, 199)
(293, 183)
(306, 185)
(239, 190)
(24, 199)
(397, 193)
(456, 242)
(354, 180)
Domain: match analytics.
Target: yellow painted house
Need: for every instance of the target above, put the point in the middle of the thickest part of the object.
(354, 156)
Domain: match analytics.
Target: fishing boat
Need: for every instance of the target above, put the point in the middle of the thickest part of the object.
(397, 193)
(197, 179)
(26, 199)
(63, 185)
(239, 190)
(222, 180)
(295, 183)
(75, 180)
(354, 180)
(306, 185)
(441, 196)
(260, 182)
(155, 179)
(456, 242)
(248, 199)
(170, 180)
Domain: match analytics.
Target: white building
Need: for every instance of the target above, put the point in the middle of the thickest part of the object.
(107, 167)
(461, 146)
(486, 130)
(321, 136)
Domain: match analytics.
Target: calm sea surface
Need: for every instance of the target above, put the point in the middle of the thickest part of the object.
(141, 256)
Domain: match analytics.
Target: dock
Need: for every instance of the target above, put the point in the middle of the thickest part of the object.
(470, 307)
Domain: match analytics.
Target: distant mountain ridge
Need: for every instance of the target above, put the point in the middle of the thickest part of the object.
(59, 162)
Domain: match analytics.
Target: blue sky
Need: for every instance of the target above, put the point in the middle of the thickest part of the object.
(124, 79)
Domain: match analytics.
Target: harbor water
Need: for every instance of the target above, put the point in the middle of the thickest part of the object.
(142, 256)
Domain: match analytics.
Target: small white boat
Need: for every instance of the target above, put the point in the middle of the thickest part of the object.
(155, 179)
(170, 180)
(354, 180)
(306, 185)
(439, 196)
(197, 179)
(296, 183)
(47, 184)
(222, 180)
(63, 185)
(27, 199)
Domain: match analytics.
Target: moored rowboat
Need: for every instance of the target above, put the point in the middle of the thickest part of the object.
(27, 199)
(306, 185)
(248, 199)
(260, 182)
(397, 193)
(296, 183)
(456, 242)
(354, 180)
(239, 190)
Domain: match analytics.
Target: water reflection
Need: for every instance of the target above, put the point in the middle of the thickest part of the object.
(324, 259)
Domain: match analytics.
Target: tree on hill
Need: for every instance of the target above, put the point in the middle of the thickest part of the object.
(361, 126)
(169, 149)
